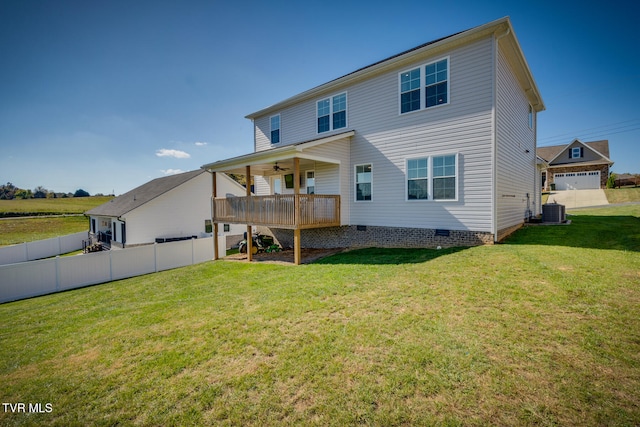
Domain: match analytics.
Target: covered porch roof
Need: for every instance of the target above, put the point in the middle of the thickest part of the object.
(264, 163)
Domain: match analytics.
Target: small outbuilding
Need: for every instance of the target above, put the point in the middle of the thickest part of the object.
(164, 209)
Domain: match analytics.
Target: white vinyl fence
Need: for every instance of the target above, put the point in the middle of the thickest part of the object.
(42, 248)
(29, 279)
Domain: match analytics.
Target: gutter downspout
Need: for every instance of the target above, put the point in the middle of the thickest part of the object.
(494, 139)
(123, 236)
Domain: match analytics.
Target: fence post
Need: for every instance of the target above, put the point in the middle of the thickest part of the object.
(57, 273)
(192, 249)
(26, 251)
(155, 256)
(110, 267)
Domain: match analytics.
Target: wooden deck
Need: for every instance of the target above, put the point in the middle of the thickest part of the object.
(291, 211)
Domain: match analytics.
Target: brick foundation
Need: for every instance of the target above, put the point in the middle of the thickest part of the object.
(376, 236)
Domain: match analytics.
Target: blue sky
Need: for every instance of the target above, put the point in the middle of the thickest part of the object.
(105, 96)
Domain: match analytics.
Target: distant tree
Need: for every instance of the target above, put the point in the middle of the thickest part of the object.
(81, 193)
(23, 194)
(7, 191)
(40, 192)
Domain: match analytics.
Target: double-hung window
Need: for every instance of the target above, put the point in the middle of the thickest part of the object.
(432, 178)
(363, 182)
(275, 129)
(410, 90)
(425, 86)
(444, 177)
(332, 113)
(417, 179)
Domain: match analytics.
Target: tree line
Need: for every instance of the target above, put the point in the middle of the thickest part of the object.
(9, 191)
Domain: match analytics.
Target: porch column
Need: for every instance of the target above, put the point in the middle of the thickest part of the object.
(214, 194)
(249, 233)
(297, 252)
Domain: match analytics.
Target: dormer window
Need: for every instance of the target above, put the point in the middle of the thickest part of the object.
(576, 153)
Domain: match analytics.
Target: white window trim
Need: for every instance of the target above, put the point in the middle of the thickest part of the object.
(430, 178)
(271, 129)
(330, 98)
(355, 183)
(423, 74)
(406, 178)
(573, 156)
(531, 117)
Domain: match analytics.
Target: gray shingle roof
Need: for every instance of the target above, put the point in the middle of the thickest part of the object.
(140, 195)
(550, 152)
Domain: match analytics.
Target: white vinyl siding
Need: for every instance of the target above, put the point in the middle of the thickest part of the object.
(386, 139)
(515, 151)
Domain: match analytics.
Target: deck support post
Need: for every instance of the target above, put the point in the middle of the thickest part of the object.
(297, 251)
(214, 194)
(249, 232)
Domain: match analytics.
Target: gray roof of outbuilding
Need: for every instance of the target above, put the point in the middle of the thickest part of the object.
(143, 194)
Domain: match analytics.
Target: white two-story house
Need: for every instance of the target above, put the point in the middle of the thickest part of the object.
(435, 146)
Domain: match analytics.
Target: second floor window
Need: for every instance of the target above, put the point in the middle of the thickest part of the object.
(275, 129)
(332, 113)
(425, 86)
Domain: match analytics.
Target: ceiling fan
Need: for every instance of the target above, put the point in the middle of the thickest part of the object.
(277, 168)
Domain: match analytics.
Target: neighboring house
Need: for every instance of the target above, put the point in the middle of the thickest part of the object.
(172, 207)
(576, 166)
(433, 146)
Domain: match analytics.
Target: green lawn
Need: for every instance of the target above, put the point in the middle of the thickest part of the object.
(20, 230)
(73, 205)
(542, 330)
(623, 195)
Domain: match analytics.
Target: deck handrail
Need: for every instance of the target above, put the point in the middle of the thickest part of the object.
(279, 210)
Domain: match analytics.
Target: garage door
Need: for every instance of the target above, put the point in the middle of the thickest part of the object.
(577, 180)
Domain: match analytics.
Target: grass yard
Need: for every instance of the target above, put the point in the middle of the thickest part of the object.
(542, 330)
(20, 230)
(72, 205)
(623, 195)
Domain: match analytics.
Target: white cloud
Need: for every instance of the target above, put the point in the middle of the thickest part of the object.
(201, 144)
(171, 171)
(165, 152)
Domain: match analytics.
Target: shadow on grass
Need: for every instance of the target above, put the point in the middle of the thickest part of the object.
(382, 256)
(585, 231)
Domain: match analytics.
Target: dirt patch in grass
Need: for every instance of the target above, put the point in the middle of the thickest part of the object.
(286, 257)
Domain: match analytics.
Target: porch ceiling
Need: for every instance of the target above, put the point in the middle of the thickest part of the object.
(263, 162)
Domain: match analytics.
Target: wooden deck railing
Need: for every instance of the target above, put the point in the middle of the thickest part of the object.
(280, 210)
